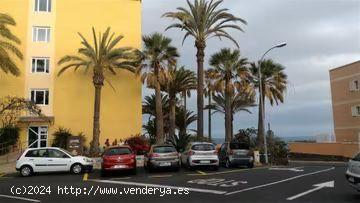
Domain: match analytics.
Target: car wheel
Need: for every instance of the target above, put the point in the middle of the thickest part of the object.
(26, 171)
(76, 168)
(251, 165)
(191, 168)
(133, 171)
(227, 163)
(215, 168)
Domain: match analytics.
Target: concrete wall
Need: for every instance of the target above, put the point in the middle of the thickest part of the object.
(336, 149)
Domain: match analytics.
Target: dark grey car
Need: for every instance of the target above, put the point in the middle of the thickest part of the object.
(236, 154)
(162, 156)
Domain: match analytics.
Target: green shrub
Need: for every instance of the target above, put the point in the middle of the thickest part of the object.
(8, 136)
(60, 137)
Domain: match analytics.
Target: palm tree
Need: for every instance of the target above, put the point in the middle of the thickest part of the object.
(203, 20)
(158, 54)
(183, 119)
(179, 80)
(102, 56)
(230, 73)
(239, 101)
(7, 41)
(274, 82)
(209, 90)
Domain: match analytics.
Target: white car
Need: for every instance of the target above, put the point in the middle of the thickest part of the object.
(200, 154)
(353, 172)
(51, 159)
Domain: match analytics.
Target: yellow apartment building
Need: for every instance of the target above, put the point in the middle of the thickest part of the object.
(345, 91)
(48, 30)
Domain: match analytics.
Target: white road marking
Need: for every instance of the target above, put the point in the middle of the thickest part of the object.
(123, 178)
(296, 169)
(281, 181)
(160, 176)
(217, 182)
(159, 186)
(320, 186)
(20, 198)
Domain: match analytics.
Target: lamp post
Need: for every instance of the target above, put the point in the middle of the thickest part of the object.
(261, 102)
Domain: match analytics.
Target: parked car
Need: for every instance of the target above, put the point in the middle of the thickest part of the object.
(120, 158)
(236, 154)
(200, 154)
(51, 159)
(353, 172)
(162, 156)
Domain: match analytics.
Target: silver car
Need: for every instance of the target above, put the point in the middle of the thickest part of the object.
(162, 156)
(353, 172)
(200, 154)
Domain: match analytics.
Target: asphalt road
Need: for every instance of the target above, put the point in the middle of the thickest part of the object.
(300, 183)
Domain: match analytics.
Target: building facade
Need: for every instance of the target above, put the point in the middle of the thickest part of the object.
(345, 91)
(48, 30)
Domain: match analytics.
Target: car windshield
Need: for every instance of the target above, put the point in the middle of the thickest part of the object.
(164, 149)
(117, 151)
(67, 152)
(203, 147)
(356, 158)
(239, 145)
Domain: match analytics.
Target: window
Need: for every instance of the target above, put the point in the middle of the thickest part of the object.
(53, 153)
(117, 151)
(40, 97)
(356, 158)
(354, 85)
(203, 147)
(164, 149)
(43, 5)
(41, 34)
(40, 65)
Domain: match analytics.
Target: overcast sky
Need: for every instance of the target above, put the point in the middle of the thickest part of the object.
(321, 35)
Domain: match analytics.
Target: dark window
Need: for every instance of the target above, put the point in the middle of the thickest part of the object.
(32, 153)
(356, 158)
(53, 153)
(164, 149)
(239, 145)
(117, 151)
(203, 147)
(40, 97)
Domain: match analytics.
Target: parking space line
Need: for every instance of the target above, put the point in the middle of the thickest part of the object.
(201, 173)
(281, 181)
(160, 176)
(20, 198)
(85, 178)
(219, 192)
(224, 172)
(122, 178)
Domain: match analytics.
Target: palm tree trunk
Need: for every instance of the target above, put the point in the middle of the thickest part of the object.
(232, 126)
(185, 107)
(200, 45)
(260, 138)
(228, 112)
(209, 116)
(98, 80)
(172, 101)
(159, 112)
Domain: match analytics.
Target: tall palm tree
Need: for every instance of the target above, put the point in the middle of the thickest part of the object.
(101, 57)
(274, 82)
(210, 78)
(203, 20)
(158, 55)
(239, 101)
(231, 73)
(179, 80)
(7, 47)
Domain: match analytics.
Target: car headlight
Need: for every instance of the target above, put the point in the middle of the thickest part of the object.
(88, 160)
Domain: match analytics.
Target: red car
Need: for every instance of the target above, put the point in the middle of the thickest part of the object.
(120, 158)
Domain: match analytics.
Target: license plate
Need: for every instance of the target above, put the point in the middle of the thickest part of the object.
(204, 162)
(351, 179)
(120, 166)
(165, 164)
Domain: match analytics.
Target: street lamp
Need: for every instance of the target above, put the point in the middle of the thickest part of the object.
(261, 102)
